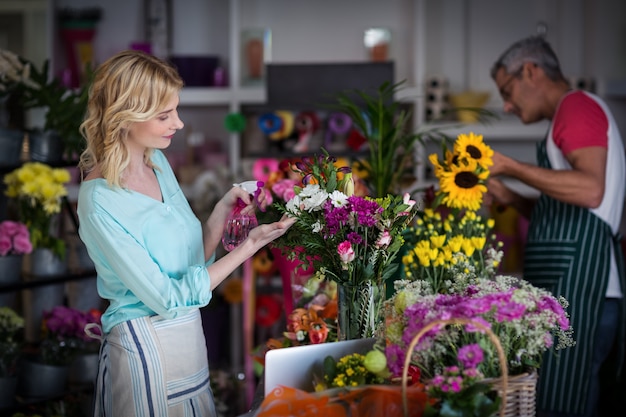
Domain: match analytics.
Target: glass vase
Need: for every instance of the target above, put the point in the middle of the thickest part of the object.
(359, 309)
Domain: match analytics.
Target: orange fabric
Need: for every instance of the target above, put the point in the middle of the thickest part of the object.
(365, 401)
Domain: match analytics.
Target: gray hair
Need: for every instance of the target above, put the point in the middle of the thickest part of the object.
(533, 49)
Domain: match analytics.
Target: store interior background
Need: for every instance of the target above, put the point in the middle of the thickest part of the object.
(454, 39)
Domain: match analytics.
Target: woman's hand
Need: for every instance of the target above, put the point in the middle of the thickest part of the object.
(267, 233)
(249, 202)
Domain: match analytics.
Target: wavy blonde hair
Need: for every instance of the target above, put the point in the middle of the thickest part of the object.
(129, 87)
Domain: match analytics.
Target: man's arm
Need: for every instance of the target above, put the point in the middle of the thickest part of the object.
(583, 185)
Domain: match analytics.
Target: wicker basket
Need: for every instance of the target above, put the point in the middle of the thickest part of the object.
(517, 392)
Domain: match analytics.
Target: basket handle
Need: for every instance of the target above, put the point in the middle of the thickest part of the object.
(494, 339)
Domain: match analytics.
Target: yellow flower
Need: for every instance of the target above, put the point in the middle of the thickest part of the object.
(472, 146)
(464, 186)
(38, 190)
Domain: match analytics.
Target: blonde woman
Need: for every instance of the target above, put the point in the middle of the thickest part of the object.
(155, 260)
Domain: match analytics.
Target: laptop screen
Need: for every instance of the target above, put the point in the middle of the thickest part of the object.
(296, 366)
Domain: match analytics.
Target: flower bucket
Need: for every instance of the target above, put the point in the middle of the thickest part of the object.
(10, 147)
(41, 264)
(45, 146)
(8, 386)
(84, 369)
(11, 267)
(38, 380)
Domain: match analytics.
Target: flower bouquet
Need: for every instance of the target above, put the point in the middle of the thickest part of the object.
(349, 239)
(38, 190)
(11, 325)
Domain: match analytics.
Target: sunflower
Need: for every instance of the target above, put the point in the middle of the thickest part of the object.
(472, 147)
(464, 185)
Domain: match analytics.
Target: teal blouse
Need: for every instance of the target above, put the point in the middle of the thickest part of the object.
(148, 255)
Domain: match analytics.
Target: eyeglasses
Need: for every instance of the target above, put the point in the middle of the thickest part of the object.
(504, 88)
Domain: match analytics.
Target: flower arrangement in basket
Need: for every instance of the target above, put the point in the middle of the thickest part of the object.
(38, 190)
(65, 336)
(349, 239)
(14, 238)
(451, 273)
(11, 325)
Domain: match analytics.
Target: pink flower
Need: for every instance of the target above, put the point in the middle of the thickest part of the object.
(384, 240)
(5, 245)
(9, 228)
(284, 189)
(14, 238)
(22, 244)
(345, 251)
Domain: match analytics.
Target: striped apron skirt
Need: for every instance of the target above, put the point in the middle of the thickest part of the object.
(568, 252)
(153, 367)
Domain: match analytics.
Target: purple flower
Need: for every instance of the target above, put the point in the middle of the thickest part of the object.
(366, 210)
(355, 238)
(470, 356)
(510, 311)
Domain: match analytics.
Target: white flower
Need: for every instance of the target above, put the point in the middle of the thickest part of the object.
(338, 198)
(317, 227)
(309, 190)
(293, 205)
(314, 202)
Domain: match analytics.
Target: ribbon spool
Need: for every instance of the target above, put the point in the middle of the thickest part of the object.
(286, 129)
(235, 122)
(307, 124)
(338, 124)
(270, 123)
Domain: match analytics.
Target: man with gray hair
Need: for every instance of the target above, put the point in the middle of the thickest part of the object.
(573, 245)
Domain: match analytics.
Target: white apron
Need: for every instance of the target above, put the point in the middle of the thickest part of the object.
(153, 367)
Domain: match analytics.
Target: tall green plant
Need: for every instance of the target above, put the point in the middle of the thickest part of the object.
(387, 126)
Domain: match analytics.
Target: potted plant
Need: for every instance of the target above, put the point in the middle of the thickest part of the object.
(13, 72)
(386, 124)
(63, 339)
(14, 244)
(38, 190)
(64, 108)
(11, 325)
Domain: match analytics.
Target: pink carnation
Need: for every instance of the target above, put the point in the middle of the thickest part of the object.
(345, 251)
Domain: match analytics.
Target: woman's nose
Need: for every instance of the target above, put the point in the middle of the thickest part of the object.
(179, 123)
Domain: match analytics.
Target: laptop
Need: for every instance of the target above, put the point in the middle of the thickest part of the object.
(295, 366)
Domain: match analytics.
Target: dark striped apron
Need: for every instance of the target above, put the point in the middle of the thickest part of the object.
(568, 252)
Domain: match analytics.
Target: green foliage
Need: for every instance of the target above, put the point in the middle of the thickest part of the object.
(387, 126)
(392, 139)
(65, 107)
(476, 400)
